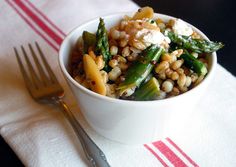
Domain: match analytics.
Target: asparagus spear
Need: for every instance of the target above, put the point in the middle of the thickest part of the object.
(191, 62)
(102, 45)
(195, 45)
(140, 69)
(148, 90)
(89, 40)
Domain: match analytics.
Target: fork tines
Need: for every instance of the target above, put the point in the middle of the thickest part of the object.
(38, 77)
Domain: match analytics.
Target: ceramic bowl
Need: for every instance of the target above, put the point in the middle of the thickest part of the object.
(129, 122)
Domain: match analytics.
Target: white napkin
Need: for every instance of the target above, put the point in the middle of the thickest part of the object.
(40, 135)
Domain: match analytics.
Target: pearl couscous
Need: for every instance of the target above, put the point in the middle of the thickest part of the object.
(142, 58)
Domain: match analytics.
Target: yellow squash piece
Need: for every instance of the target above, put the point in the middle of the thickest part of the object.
(93, 75)
(145, 12)
(92, 54)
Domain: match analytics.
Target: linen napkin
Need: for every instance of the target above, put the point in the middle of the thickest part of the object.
(41, 136)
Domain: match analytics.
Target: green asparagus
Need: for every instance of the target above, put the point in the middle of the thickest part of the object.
(195, 45)
(102, 45)
(140, 69)
(89, 40)
(196, 65)
(148, 90)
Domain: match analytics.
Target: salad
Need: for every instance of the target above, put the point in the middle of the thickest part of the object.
(141, 58)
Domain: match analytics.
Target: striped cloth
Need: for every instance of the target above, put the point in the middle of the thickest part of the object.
(41, 137)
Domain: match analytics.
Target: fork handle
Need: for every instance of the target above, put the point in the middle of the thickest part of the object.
(93, 153)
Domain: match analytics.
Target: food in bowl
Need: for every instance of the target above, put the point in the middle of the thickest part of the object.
(142, 58)
(129, 121)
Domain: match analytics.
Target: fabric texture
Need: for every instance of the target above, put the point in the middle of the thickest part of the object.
(41, 136)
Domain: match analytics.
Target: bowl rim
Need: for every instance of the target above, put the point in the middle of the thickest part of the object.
(115, 100)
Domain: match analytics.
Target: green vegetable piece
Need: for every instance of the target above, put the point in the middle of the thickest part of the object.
(191, 62)
(102, 45)
(148, 90)
(195, 45)
(141, 68)
(89, 40)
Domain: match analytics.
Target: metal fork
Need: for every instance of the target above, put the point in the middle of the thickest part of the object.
(45, 87)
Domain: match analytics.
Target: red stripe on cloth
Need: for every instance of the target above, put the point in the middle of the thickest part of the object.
(157, 156)
(169, 154)
(45, 17)
(181, 151)
(32, 26)
(39, 22)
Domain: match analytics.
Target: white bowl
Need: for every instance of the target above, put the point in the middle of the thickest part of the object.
(129, 122)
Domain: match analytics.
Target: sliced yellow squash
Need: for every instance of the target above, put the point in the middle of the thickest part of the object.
(93, 75)
(145, 12)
